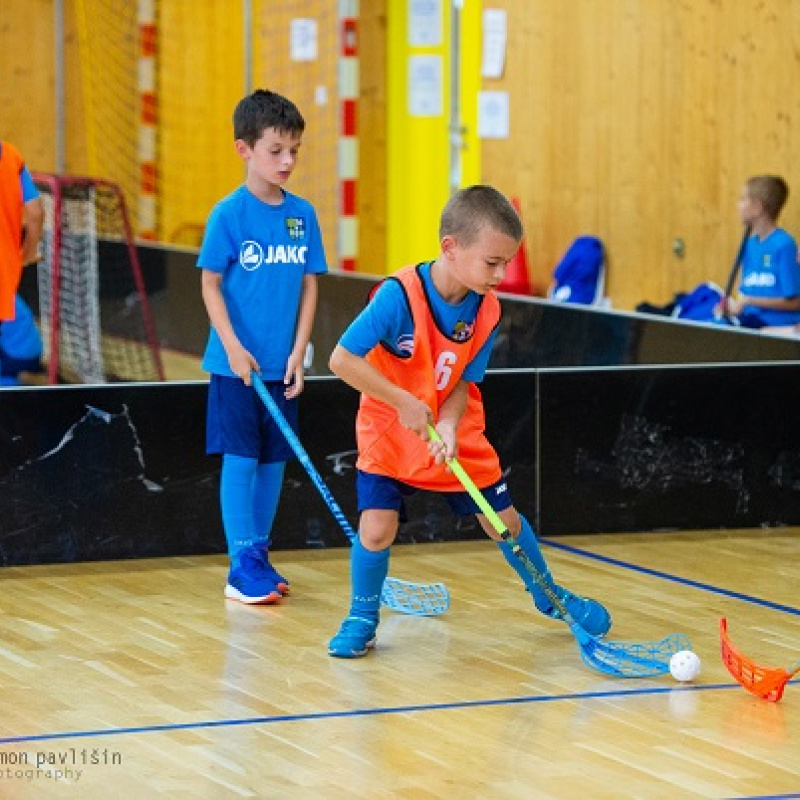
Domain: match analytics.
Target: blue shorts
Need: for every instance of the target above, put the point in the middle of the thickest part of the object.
(11, 367)
(239, 423)
(379, 491)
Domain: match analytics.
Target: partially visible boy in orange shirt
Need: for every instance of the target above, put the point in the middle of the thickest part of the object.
(21, 222)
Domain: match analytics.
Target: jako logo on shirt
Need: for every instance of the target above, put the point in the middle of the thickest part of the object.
(756, 279)
(252, 255)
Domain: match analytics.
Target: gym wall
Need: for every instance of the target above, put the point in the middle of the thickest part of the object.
(635, 120)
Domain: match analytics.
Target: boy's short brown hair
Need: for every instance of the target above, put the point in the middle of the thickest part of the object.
(771, 191)
(474, 207)
(264, 109)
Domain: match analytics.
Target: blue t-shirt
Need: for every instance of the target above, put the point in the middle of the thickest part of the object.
(387, 319)
(770, 269)
(262, 251)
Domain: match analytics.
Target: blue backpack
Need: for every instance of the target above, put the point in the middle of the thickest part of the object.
(699, 304)
(579, 277)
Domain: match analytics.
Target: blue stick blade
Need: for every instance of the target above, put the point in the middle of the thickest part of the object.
(403, 596)
(422, 599)
(633, 659)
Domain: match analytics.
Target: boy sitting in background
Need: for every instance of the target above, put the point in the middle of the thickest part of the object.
(769, 289)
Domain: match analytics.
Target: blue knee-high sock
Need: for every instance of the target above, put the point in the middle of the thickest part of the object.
(266, 494)
(527, 541)
(368, 571)
(236, 492)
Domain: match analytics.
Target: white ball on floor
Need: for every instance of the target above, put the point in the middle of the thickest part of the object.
(684, 666)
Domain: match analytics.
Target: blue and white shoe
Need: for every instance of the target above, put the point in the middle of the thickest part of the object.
(278, 579)
(251, 579)
(590, 614)
(355, 637)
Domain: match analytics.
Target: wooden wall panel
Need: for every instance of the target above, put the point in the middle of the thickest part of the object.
(313, 87)
(27, 77)
(201, 76)
(638, 121)
(372, 184)
(200, 83)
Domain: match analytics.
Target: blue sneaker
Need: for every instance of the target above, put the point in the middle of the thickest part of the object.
(251, 579)
(355, 637)
(278, 579)
(590, 614)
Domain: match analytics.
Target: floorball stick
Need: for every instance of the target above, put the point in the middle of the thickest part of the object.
(622, 659)
(422, 599)
(761, 680)
(735, 271)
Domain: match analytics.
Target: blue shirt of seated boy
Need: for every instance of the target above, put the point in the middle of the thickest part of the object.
(770, 269)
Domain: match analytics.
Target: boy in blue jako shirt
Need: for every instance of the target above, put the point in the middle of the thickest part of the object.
(260, 257)
(769, 289)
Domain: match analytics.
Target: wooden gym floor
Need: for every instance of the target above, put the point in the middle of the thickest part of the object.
(137, 679)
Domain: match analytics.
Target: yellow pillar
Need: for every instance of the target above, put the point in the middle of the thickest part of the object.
(470, 85)
(418, 131)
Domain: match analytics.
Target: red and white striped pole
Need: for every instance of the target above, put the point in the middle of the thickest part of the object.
(348, 134)
(148, 117)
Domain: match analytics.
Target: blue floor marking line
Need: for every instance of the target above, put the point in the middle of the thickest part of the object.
(668, 577)
(363, 712)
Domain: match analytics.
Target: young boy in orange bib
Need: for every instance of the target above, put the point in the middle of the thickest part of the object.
(416, 353)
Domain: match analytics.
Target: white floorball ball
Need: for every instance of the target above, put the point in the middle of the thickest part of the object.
(684, 666)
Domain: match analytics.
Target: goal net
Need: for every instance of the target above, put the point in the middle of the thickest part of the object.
(93, 307)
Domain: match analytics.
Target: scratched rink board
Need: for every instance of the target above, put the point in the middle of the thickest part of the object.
(120, 471)
(104, 472)
(669, 448)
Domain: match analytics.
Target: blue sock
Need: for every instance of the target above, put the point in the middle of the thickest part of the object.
(368, 571)
(266, 495)
(236, 491)
(527, 541)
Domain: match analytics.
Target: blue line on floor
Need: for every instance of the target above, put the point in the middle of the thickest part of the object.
(363, 712)
(669, 577)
